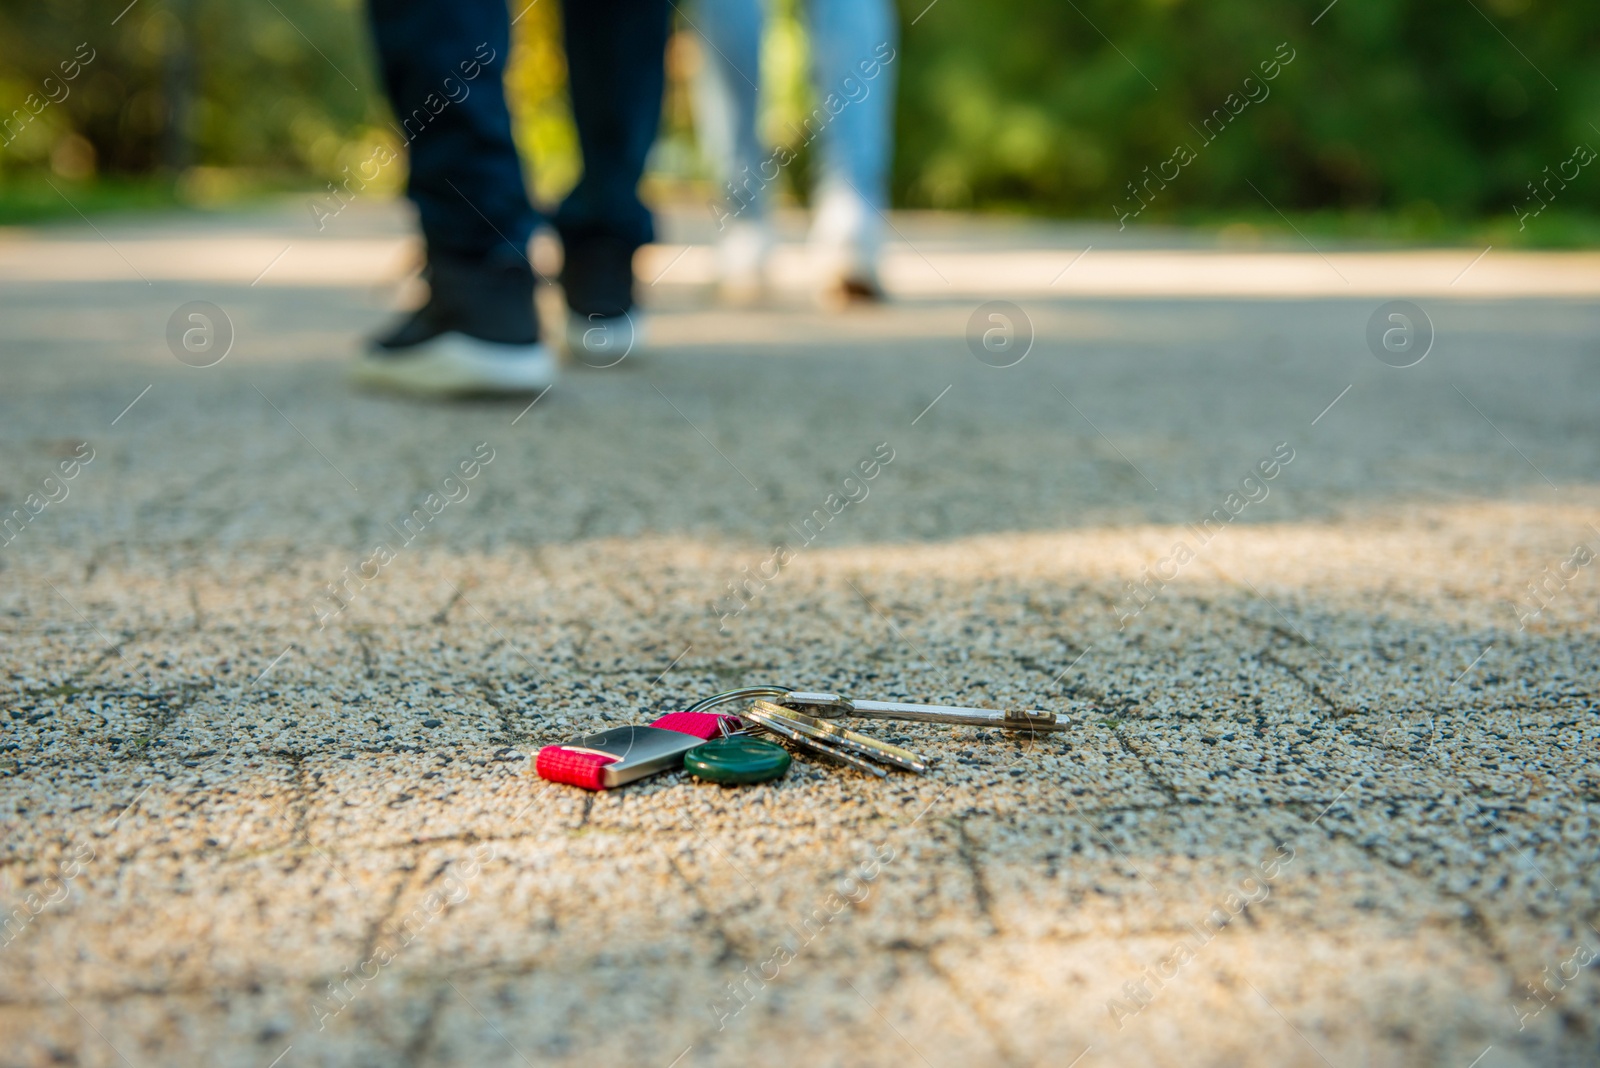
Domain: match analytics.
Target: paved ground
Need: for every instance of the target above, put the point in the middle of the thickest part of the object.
(1330, 795)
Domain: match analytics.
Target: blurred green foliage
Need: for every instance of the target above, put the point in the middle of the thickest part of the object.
(1415, 106)
(174, 83)
(1419, 110)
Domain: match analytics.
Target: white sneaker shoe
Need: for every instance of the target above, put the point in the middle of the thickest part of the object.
(602, 341)
(454, 364)
(846, 240)
(742, 256)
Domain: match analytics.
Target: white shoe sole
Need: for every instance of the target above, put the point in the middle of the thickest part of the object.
(742, 256)
(454, 365)
(605, 342)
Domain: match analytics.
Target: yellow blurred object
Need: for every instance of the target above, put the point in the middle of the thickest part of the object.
(541, 110)
(73, 158)
(786, 96)
(206, 186)
(541, 107)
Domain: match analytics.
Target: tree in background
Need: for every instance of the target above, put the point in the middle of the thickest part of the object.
(1400, 104)
(182, 82)
(1091, 108)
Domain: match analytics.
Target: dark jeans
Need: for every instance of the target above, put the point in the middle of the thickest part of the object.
(443, 63)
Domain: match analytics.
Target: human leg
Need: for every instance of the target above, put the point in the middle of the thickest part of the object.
(854, 47)
(726, 109)
(443, 64)
(615, 59)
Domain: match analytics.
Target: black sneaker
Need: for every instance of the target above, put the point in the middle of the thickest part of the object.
(604, 326)
(478, 333)
(597, 274)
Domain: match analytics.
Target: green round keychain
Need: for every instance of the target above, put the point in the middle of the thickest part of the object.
(737, 759)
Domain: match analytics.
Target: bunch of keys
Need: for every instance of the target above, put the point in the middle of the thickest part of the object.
(623, 754)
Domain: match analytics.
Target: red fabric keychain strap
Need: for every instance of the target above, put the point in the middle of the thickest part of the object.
(699, 724)
(584, 769)
(574, 769)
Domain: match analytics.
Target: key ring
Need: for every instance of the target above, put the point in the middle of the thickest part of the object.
(729, 696)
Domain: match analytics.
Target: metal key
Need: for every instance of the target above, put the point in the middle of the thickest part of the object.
(780, 726)
(821, 730)
(832, 704)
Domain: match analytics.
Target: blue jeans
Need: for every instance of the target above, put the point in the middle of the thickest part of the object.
(854, 44)
(443, 63)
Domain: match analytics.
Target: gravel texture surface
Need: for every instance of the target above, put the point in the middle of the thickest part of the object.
(1329, 797)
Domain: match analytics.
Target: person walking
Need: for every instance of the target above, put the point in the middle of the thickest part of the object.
(443, 67)
(853, 47)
